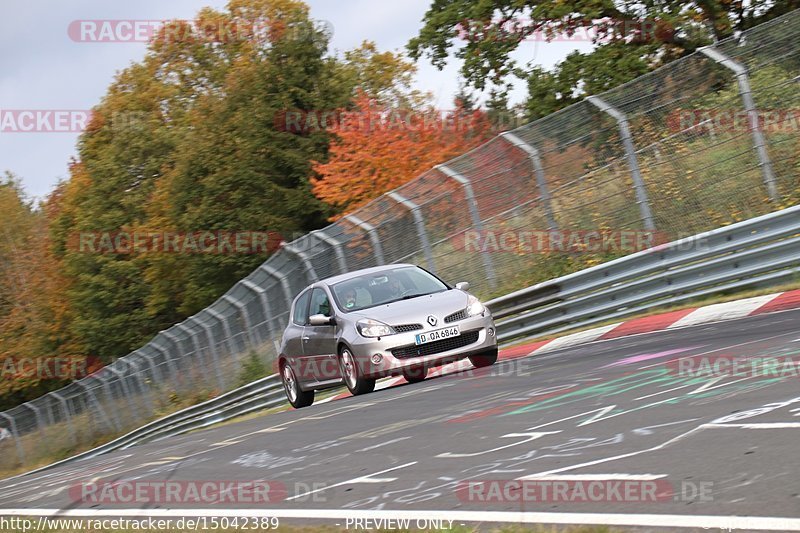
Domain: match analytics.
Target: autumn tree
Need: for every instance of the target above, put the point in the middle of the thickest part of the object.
(33, 308)
(379, 148)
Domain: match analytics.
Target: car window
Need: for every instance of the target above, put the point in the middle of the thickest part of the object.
(300, 315)
(319, 303)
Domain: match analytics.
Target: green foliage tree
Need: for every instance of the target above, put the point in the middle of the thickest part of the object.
(484, 34)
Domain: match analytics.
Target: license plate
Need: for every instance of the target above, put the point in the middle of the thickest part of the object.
(437, 335)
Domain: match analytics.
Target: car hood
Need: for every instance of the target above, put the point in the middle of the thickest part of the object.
(415, 310)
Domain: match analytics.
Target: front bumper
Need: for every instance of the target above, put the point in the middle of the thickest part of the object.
(481, 328)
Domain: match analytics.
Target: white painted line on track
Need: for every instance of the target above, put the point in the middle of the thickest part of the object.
(728, 523)
(361, 479)
(762, 425)
(598, 477)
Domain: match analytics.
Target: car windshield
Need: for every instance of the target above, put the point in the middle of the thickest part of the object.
(386, 286)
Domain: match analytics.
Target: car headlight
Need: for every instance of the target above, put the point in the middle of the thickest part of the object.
(373, 328)
(474, 306)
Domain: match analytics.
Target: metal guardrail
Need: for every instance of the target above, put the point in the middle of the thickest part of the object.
(260, 394)
(759, 251)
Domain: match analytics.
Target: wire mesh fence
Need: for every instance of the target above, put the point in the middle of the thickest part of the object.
(705, 141)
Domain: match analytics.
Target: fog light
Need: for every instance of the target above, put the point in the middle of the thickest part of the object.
(377, 358)
(491, 332)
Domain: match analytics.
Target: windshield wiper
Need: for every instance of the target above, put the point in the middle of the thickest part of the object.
(409, 296)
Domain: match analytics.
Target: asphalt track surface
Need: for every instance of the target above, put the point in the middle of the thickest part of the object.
(608, 411)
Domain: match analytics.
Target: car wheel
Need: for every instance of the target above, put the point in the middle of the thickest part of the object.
(296, 396)
(351, 375)
(415, 374)
(484, 359)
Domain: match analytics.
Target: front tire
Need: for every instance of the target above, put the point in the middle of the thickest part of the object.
(296, 396)
(351, 374)
(481, 360)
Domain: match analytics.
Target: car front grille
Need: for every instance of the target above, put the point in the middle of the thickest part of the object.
(403, 328)
(444, 345)
(455, 317)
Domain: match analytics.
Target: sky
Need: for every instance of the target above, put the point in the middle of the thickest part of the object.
(42, 69)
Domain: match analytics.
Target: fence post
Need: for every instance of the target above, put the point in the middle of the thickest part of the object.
(213, 348)
(337, 248)
(248, 324)
(175, 341)
(225, 326)
(110, 397)
(12, 426)
(287, 290)
(113, 425)
(261, 292)
(125, 390)
(633, 161)
(420, 224)
(474, 213)
(541, 181)
(167, 359)
(64, 406)
(373, 236)
(37, 413)
(198, 351)
(154, 370)
(134, 368)
(752, 115)
(311, 274)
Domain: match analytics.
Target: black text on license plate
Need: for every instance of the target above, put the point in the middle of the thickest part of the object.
(437, 335)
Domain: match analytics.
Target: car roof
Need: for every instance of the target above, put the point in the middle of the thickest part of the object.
(355, 273)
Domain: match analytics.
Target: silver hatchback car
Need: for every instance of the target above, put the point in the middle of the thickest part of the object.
(376, 322)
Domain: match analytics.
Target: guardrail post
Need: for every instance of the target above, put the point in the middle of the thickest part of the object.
(752, 114)
(261, 292)
(420, 224)
(287, 290)
(311, 274)
(477, 223)
(12, 428)
(633, 161)
(63, 402)
(213, 349)
(248, 324)
(337, 248)
(541, 181)
(373, 237)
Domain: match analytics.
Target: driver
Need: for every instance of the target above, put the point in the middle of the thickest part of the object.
(395, 287)
(349, 298)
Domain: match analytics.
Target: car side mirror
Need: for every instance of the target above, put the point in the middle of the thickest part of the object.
(462, 285)
(321, 320)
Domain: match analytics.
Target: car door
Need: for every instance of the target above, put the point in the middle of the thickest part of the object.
(294, 348)
(319, 342)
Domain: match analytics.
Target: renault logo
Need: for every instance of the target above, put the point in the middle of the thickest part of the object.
(431, 320)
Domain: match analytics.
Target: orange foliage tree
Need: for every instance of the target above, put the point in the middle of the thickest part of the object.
(377, 149)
